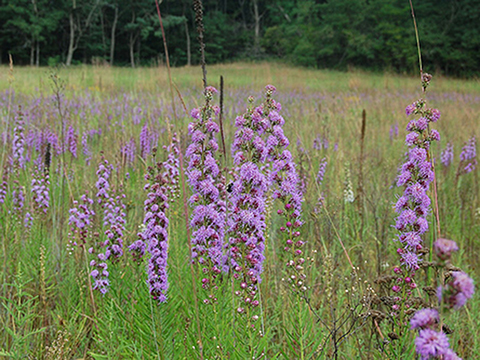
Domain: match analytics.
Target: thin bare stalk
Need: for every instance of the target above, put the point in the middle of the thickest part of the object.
(418, 40)
(154, 329)
(187, 229)
(220, 120)
(168, 63)
(424, 90)
(360, 174)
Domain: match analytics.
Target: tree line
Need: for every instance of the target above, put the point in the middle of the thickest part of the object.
(371, 34)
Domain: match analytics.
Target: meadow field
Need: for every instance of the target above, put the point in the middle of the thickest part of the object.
(77, 143)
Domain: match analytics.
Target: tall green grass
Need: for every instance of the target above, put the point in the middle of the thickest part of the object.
(46, 309)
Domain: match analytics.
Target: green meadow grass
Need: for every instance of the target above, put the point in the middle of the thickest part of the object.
(46, 308)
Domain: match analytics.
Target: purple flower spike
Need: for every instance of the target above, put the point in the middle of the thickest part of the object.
(321, 171)
(425, 318)
(444, 248)
(446, 156)
(209, 193)
(415, 176)
(468, 160)
(19, 142)
(458, 290)
(71, 140)
(431, 344)
(102, 184)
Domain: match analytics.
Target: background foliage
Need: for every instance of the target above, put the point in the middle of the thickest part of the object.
(373, 34)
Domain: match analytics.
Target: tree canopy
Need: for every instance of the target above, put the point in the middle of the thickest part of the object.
(370, 34)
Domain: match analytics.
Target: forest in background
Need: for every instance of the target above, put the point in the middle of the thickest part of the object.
(337, 34)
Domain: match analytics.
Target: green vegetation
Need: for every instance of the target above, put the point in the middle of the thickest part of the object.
(339, 34)
(46, 308)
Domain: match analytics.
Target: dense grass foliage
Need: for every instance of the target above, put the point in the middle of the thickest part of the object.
(348, 166)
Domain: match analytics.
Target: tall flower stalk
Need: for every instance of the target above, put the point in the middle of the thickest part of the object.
(247, 219)
(413, 207)
(155, 233)
(285, 182)
(208, 200)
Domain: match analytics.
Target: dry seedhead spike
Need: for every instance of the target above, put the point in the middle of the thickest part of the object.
(198, 8)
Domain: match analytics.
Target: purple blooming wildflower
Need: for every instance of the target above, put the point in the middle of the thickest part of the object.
(172, 165)
(80, 220)
(446, 156)
(457, 291)
(19, 142)
(102, 184)
(155, 234)
(430, 343)
(208, 199)
(86, 150)
(18, 196)
(128, 151)
(451, 355)
(284, 180)
(415, 176)
(145, 142)
(321, 171)
(28, 220)
(425, 318)
(71, 140)
(468, 156)
(114, 220)
(41, 190)
(443, 248)
(247, 220)
(4, 185)
(409, 110)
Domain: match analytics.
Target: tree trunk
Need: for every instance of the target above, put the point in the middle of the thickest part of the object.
(32, 52)
(37, 63)
(112, 36)
(189, 52)
(131, 43)
(71, 45)
(35, 36)
(104, 40)
(257, 26)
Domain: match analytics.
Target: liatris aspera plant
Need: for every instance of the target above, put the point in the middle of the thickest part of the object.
(208, 199)
(81, 220)
(155, 233)
(171, 166)
(102, 184)
(153, 238)
(431, 342)
(286, 188)
(4, 185)
(247, 218)
(114, 221)
(413, 206)
(86, 151)
(319, 179)
(128, 152)
(446, 156)
(111, 248)
(468, 157)
(145, 142)
(321, 171)
(71, 141)
(40, 189)
(19, 141)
